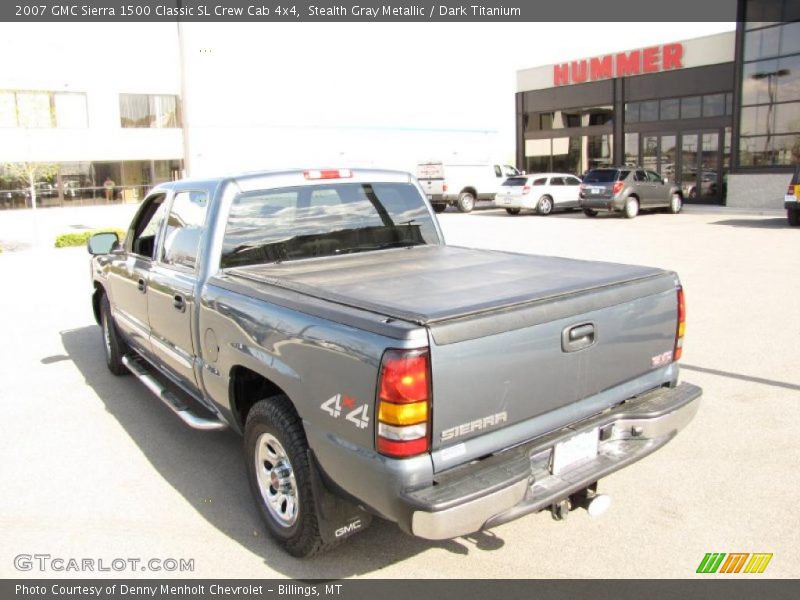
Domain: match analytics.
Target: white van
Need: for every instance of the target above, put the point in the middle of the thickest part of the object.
(461, 185)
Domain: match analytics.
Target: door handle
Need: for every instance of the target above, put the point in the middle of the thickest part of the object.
(578, 337)
(179, 303)
(141, 286)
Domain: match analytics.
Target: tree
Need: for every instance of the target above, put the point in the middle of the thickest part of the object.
(30, 172)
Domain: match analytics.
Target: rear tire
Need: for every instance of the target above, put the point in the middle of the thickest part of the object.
(276, 458)
(675, 204)
(631, 208)
(439, 208)
(466, 202)
(113, 344)
(512, 211)
(590, 212)
(793, 215)
(545, 206)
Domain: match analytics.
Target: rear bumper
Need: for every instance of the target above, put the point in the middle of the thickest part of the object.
(519, 481)
(791, 203)
(613, 203)
(515, 201)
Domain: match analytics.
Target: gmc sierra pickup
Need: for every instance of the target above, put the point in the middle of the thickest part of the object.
(374, 370)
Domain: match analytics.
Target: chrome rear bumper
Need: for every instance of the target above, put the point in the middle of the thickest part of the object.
(520, 480)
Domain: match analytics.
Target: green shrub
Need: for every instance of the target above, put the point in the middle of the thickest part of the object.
(66, 240)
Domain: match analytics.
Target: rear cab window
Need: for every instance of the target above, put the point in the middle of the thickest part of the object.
(516, 181)
(540, 181)
(303, 222)
(605, 176)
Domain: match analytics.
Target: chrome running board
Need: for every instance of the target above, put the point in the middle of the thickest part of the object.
(175, 404)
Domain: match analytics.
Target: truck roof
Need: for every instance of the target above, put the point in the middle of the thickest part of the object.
(253, 180)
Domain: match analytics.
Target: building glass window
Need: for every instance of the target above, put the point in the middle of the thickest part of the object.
(669, 153)
(70, 110)
(632, 112)
(770, 116)
(649, 151)
(762, 12)
(649, 111)
(8, 110)
(148, 111)
(691, 107)
(33, 110)
(714, 105)
(670, 109)
(631, 149)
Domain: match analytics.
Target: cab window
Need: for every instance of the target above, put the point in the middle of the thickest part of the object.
(184, 227)
(556, 181)
(146, 227)
(654, 177)
(540, 181)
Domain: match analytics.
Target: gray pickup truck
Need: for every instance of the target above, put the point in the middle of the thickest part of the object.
(374, 370)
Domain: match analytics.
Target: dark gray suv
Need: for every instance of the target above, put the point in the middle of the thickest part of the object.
(627, 190)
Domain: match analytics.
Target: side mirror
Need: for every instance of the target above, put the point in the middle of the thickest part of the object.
(102, 243)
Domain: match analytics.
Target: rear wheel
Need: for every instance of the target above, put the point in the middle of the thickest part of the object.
(512, 211)
(590, 212)
(675, 204)
(113, 345)
(545, 205)
(793, 214)
(631, 208)
(466, 202)
(439, 208)
(276, 456)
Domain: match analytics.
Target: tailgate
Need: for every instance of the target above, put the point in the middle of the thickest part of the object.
(520, 373)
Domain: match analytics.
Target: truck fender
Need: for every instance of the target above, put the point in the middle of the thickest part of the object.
(337, 518)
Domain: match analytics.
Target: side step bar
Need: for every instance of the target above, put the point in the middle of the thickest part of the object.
(178, 406)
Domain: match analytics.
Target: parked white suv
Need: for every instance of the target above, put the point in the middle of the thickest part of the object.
(542, 192)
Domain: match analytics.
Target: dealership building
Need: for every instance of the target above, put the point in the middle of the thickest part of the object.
(719, 114)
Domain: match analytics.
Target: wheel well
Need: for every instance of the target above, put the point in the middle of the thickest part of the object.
(634, 196)
(246, 388)
(469, 190)
(99, 291)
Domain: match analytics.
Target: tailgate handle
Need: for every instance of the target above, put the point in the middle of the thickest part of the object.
(577, 337)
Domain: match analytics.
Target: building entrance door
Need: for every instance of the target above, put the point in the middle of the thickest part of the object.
(701, 162)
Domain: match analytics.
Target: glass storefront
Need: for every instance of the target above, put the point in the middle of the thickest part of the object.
(575, 154)
(769, 126)
(697, 161)
(86, 183)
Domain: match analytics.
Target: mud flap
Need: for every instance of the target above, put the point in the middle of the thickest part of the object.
(337, 518)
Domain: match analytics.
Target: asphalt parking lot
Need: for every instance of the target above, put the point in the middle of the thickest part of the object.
(94, 467)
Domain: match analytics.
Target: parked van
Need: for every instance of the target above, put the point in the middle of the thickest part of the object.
(461, 185)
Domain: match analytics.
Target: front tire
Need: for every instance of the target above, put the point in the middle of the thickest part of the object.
(113, 344)
(276, 457)
(545, 206)
(675, 204)
(793, 215)
(631, 208)
(590, 212)
(439, 208)
(513, 211)
(466, 202)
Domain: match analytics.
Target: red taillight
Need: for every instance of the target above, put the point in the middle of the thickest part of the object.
(444, 187)
(526, 189)
(618, 185)
(328, 174)
(676, 355)
(404, 380)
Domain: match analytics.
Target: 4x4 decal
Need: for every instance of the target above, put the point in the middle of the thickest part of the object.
(334, 405)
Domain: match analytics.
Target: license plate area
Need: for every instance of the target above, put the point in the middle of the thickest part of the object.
(578, 449)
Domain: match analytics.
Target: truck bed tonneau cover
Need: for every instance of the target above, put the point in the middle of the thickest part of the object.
(430, 284)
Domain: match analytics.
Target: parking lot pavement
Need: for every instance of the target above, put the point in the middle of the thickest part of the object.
(94, 467)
